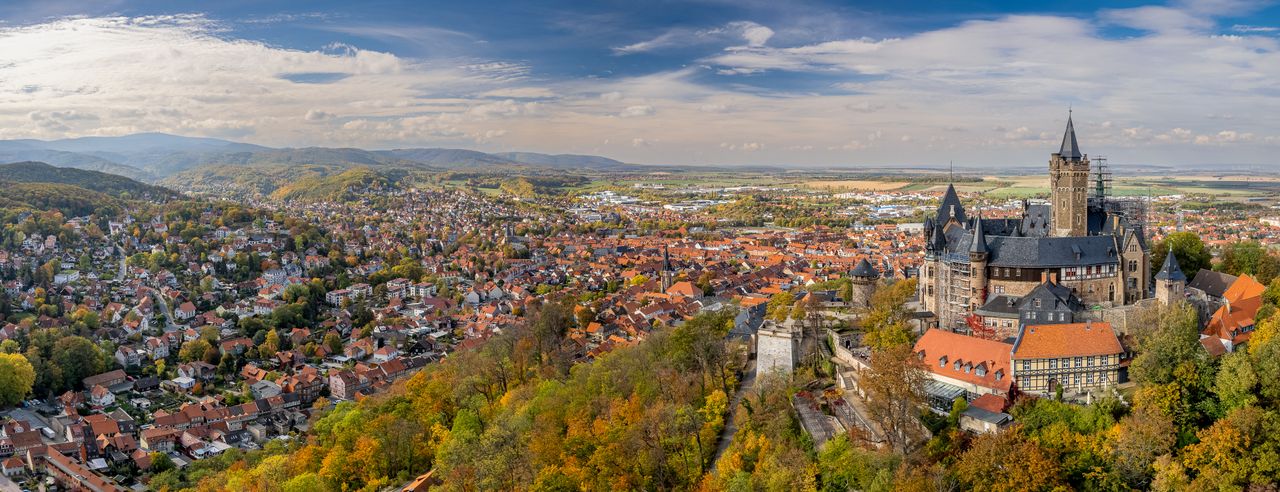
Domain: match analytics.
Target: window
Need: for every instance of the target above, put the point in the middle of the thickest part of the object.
(1079, 361)
(982, 371)
(1026, 365)
(1090, 361)
(1053, 363)
(942, 361)
(968, 368)
(1089, 378)
(999, 374)
(1037, 302)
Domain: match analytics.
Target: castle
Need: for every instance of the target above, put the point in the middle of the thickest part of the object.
(1080, 252)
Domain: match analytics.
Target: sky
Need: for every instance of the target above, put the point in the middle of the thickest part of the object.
(805, 83)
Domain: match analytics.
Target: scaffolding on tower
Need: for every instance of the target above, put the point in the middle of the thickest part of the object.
(1102, 179)
(1132, 208)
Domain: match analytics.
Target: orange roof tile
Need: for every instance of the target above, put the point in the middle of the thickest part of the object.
(1067, 340)
(935, 344)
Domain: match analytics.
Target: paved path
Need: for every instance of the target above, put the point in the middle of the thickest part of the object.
(7, 485)
(730, 423)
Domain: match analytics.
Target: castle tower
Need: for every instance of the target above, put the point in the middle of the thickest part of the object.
(864, 278)
(978, 256)
(1069, 185)
(1170, 281)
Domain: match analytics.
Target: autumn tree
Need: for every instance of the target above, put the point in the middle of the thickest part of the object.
(16, 379)
(894, 384)
(1008, 462)
(886, 322)
(1139, 439)
(194, 350)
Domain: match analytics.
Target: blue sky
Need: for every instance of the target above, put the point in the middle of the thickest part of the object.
(711, 82)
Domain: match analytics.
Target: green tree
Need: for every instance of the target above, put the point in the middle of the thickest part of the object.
(1251, 258)
(1188, 249)
(78, 357)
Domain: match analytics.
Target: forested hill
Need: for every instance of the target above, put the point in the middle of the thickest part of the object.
(106, 184)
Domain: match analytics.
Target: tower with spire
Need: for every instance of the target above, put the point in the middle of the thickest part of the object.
(1170, 281)
(1069, 186)
(976, 266)
(978, 256)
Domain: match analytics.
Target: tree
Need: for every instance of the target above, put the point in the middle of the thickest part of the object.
(194, 350)
(334, 342)
(1008, 461)
(78, 358)
(1140, 439)
(1251, 258)
(16, 379)
(270, 345)
(160, 463)
(1174, 341)
(1191, 253)
(1236, 383)
(894, 384)
(886, 320)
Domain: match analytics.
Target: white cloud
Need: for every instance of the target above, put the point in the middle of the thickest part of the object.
(317, 115)
(993, 91)
(637, 110)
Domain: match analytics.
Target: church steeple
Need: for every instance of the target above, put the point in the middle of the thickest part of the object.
(1070, 149)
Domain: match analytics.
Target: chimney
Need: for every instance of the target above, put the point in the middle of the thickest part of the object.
(1088, 324)
(1053, 277)
(1044, 276)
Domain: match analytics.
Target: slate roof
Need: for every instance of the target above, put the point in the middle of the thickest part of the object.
(1070, 149)
(950, 200)
(1170, 270)
(1041, 252)
(1211, 282)
(864, 269)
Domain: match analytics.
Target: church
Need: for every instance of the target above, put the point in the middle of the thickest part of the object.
(1083, 251)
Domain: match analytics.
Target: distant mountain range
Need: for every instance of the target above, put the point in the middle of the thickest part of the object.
(152, 157)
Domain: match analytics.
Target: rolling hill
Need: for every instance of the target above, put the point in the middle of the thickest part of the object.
(100, 182)
(152, 156)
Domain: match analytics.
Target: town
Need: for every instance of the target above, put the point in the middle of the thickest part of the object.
(172, 333)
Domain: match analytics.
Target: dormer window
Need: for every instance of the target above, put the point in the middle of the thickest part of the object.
(999, 374)
(982, 370)
(968, 368)
(956, 365)
(942, 361)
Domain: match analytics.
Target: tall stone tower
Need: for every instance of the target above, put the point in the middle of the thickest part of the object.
(978, 256)
(1069, 183)
(864, 278)
(1170, 281)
